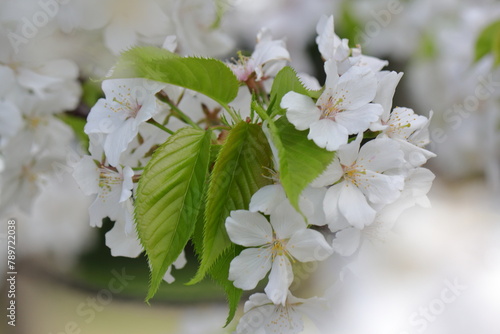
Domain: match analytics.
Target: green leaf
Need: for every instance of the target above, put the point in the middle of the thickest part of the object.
(286, 81)
(238, 173)
(220, 272)
(488, 41)
(91, 92)
(169, 197)
(300, 159)
(210, 77)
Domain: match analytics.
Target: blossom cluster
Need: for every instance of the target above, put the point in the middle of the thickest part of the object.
(49, 51)
(373, 172)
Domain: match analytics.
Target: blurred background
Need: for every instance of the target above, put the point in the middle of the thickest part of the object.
(439, 275)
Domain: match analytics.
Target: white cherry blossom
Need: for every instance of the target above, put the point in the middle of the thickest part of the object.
(267, 59)
(128, 103)
(273, 246)
(344, 108)
(360, 178)
(411, 132)
(262, 316)
(112, 187)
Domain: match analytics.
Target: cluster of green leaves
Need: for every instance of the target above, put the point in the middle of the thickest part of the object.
(488, 42)
(192, 182)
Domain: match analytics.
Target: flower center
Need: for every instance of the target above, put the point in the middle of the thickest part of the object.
(108, 178)
(126, 103)
(28, 174)
(352, 173)
(34, 122)
(331, 108)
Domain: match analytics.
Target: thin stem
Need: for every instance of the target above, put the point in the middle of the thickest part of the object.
(178, 113)
(158, 125)
(260, 111)
(231, 113)
(220, 127)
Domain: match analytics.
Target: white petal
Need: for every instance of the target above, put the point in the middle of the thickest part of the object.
(168, 276)
(347, 241)
(86, 174)
(181, 261)
(313, 210)
(249, 267)
(301, 110)
(348, 153)
(380, 154)
(359, 120)
(328, 134)
(286, 220)
(170, 43)
(387, 83)
(128, 184)
(121, 243)
(248, 229)
(263, 317)
(381, 188)
(373, 63)
(355, 88)
(333, 216)
(116, 143)
(354, 206)
(308, 245)
(280, 279)
(267, 198)
(332, 78)
(105, 117)
(332, 174)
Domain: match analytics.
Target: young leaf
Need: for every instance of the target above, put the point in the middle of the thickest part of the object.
(489, 42)
(220, 272)
(300, 159)
(238, 173)
(169, 196)
(210, 77)
(286, 81)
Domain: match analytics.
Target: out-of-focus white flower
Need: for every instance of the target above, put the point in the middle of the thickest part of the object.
(417, 185)
(273, 244)
(128, 103)
(344, 107)
(279, 319)
(267, 59)
(193, 24)
(112, 187)
(23, 174)
(361, 178)
(11, 121)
